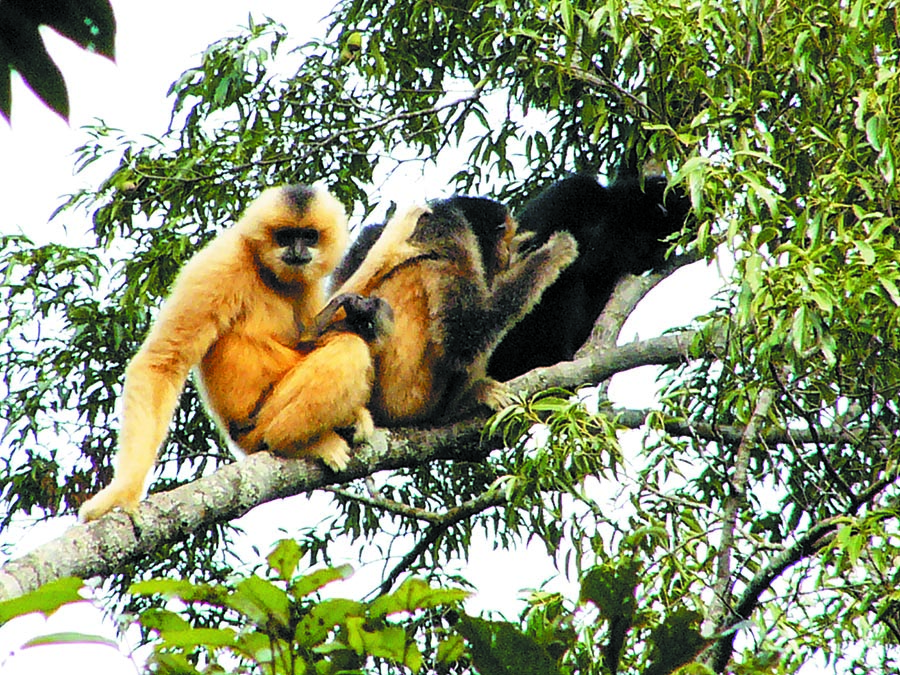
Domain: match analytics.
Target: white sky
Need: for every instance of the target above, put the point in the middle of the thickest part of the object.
(155, 43)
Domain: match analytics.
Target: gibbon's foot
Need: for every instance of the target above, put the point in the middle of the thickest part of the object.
(331, 449)
(115, 494)
(495, 395)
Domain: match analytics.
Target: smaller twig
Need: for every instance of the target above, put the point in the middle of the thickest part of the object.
(373, 490)
(815, 539)
(738, 486)
(635, 419)
(811, 423)
(388, 505)
(493, 497)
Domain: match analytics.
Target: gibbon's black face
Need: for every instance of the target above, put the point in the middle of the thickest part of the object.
(493, 227)
(296, 235)
(296, 244)
(369, 317)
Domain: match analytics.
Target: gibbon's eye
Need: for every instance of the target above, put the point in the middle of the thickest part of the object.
(291, 236)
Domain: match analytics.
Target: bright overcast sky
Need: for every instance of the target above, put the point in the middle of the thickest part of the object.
(155, 43)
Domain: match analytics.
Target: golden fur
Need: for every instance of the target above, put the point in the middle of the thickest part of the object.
(237, 311)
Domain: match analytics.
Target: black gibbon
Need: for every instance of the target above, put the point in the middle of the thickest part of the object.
(619, 230)
(237, 312)
(445, 270)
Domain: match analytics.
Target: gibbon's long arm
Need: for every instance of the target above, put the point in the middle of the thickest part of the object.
(186, 327)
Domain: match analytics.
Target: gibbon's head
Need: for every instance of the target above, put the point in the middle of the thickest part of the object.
(369, 317)
(493, 226)
(482, 226)
(296, 233)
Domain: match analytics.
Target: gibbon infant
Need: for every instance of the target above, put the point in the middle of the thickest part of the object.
(445, 271)
(238, 311)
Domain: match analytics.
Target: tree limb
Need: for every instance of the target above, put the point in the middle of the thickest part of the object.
(814, 540)
(731, 506)
(102, 547)
(635, 419)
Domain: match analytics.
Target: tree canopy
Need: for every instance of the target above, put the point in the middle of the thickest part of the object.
(754, 530)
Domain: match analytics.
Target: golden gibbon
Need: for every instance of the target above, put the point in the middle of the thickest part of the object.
(455, 289)
(238, 312)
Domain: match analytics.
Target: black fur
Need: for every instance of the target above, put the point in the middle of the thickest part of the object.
(457, 252)
(369, 317)
(618, 230)
(354, 256)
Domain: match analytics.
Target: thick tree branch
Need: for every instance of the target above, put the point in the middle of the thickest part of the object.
(103, 547)
(600, 365)
(629, 291)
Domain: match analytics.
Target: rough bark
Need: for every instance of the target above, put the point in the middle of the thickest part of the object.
(102, 547)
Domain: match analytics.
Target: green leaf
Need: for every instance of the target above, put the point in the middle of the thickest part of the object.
(71, 638)
(313, 628)
(891, 288)
(23, 50)
(285, 557)
(163, 620)
(46, 599)
(675, 642)
(173, 663)
(200, 637)
(89, 23)
(866, 252)
(316, 580)
(414, 594)
(262, 602)
(387, 643)
(612, 589)
(181, 589)
(451, 650)
(499, 648)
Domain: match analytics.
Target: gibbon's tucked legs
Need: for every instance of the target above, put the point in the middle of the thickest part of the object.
(237, 310)
(294, 419)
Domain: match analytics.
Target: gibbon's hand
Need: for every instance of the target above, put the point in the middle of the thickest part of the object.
(116, 494)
